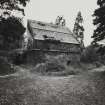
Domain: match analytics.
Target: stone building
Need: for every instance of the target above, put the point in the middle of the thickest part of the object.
(51, 39)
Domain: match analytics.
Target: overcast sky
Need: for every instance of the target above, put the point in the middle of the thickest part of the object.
(48, 10)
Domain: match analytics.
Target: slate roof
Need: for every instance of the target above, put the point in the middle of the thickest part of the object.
(41, 30)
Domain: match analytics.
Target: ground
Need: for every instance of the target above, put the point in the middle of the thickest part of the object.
(25, 88)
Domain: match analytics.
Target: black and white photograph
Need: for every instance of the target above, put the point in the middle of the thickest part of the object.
(52, 52)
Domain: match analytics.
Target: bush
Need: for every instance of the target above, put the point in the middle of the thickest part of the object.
(90, 55)
(94, 55)
(52, 64)
(17, 57)
(56, 66)
(5, 66)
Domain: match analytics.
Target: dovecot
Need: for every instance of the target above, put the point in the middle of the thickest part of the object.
(51, 39)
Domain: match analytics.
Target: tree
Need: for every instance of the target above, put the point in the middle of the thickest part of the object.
(11, 31)
(79, 29)
(99, 22)
(11, 27)
(7, 6)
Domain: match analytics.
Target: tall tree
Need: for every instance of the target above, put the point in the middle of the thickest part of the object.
(99, 22)
(8, 6)
(11, 32)
(11, 27)
(78, 29)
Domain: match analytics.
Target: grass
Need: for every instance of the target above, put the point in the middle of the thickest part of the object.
(29, 89)
(57, 67)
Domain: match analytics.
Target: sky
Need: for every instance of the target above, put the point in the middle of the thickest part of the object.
(48, 10)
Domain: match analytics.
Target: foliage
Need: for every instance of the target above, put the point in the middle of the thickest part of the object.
(11, 31)
(99, 21)
(5, 67)
(56, 66)
(17, 56)
(78, 28)
(94, 55)
(11, 27)
(7, 6)
(90, 55)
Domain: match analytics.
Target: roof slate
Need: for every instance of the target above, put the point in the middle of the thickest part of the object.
(61, 33)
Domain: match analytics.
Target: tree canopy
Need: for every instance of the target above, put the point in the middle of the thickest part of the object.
(11, 31)
(11, 27)
(78, 28)
(7, 6)
(99, 21)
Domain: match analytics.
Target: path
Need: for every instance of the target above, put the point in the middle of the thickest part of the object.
(30, 89)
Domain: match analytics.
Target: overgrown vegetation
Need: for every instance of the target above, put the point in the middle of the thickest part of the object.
(93, 54)
(89, 54)
(8, 6)
(5, 66)
(11, 29)
(57, 66)
(99, 22)
(11, 33)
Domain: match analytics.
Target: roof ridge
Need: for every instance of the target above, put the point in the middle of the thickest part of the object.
(48, 23)
(50, 26)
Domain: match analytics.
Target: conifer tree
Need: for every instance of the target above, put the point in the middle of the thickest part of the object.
(99, 22)
(79, 29)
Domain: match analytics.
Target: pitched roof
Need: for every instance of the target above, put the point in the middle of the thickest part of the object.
(40, 30)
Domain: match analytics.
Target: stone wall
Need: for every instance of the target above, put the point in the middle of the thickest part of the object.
(41, 48)
(50, 45)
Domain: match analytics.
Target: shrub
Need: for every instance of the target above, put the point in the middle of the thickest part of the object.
(17, 57)
(90, 55)
(5, 66)
(56, 66)
(52, 64)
